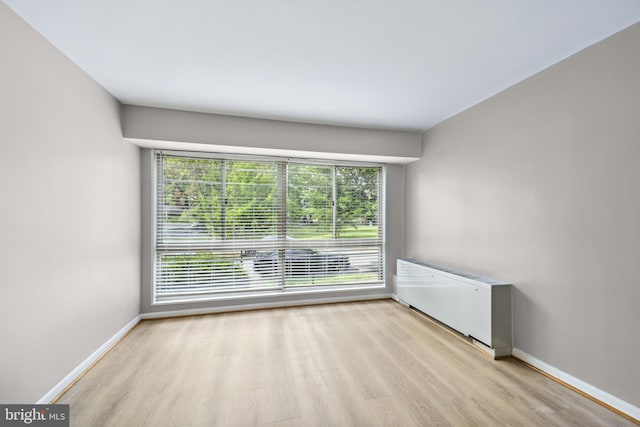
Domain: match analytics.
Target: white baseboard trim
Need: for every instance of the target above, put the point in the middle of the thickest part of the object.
(603, 396)
(82, 367)
(275, 304)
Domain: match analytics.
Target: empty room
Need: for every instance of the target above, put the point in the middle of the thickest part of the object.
(281, 213)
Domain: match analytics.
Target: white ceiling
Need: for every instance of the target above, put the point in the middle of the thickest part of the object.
(402, 64)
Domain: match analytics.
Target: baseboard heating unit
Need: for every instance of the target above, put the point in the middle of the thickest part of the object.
(475, 306)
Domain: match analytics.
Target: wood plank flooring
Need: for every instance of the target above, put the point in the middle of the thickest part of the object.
(355, 364)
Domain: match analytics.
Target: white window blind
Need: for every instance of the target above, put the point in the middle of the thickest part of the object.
(235, 224)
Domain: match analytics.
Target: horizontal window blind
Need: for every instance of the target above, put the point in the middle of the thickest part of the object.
(229, 225)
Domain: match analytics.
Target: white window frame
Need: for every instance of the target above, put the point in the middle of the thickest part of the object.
(257, 292)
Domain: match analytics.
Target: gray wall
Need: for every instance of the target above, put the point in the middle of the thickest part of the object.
(540, 185)
(69, 215)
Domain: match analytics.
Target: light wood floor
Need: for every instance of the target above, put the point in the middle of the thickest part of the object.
(354, 364)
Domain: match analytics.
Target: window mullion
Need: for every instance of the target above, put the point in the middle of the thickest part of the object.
(334, 202)
(282, 221)
(223, 200)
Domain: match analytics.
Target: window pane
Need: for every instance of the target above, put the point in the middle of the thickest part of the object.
(201, 273)
(189, 196)
(251, 209)
(331, 266)
(358, 213)
(309, 201)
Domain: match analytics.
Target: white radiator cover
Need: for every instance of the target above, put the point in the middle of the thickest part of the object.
(475, 306)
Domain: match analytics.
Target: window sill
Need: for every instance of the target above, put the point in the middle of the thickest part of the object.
(269, 295)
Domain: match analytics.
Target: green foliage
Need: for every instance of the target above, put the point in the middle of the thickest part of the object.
(251, 200)
(357, 198)
(192, 191)
(309, 200)
(239, 199)
(204, 191)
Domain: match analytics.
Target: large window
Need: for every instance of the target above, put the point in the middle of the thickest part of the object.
(230, 224)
